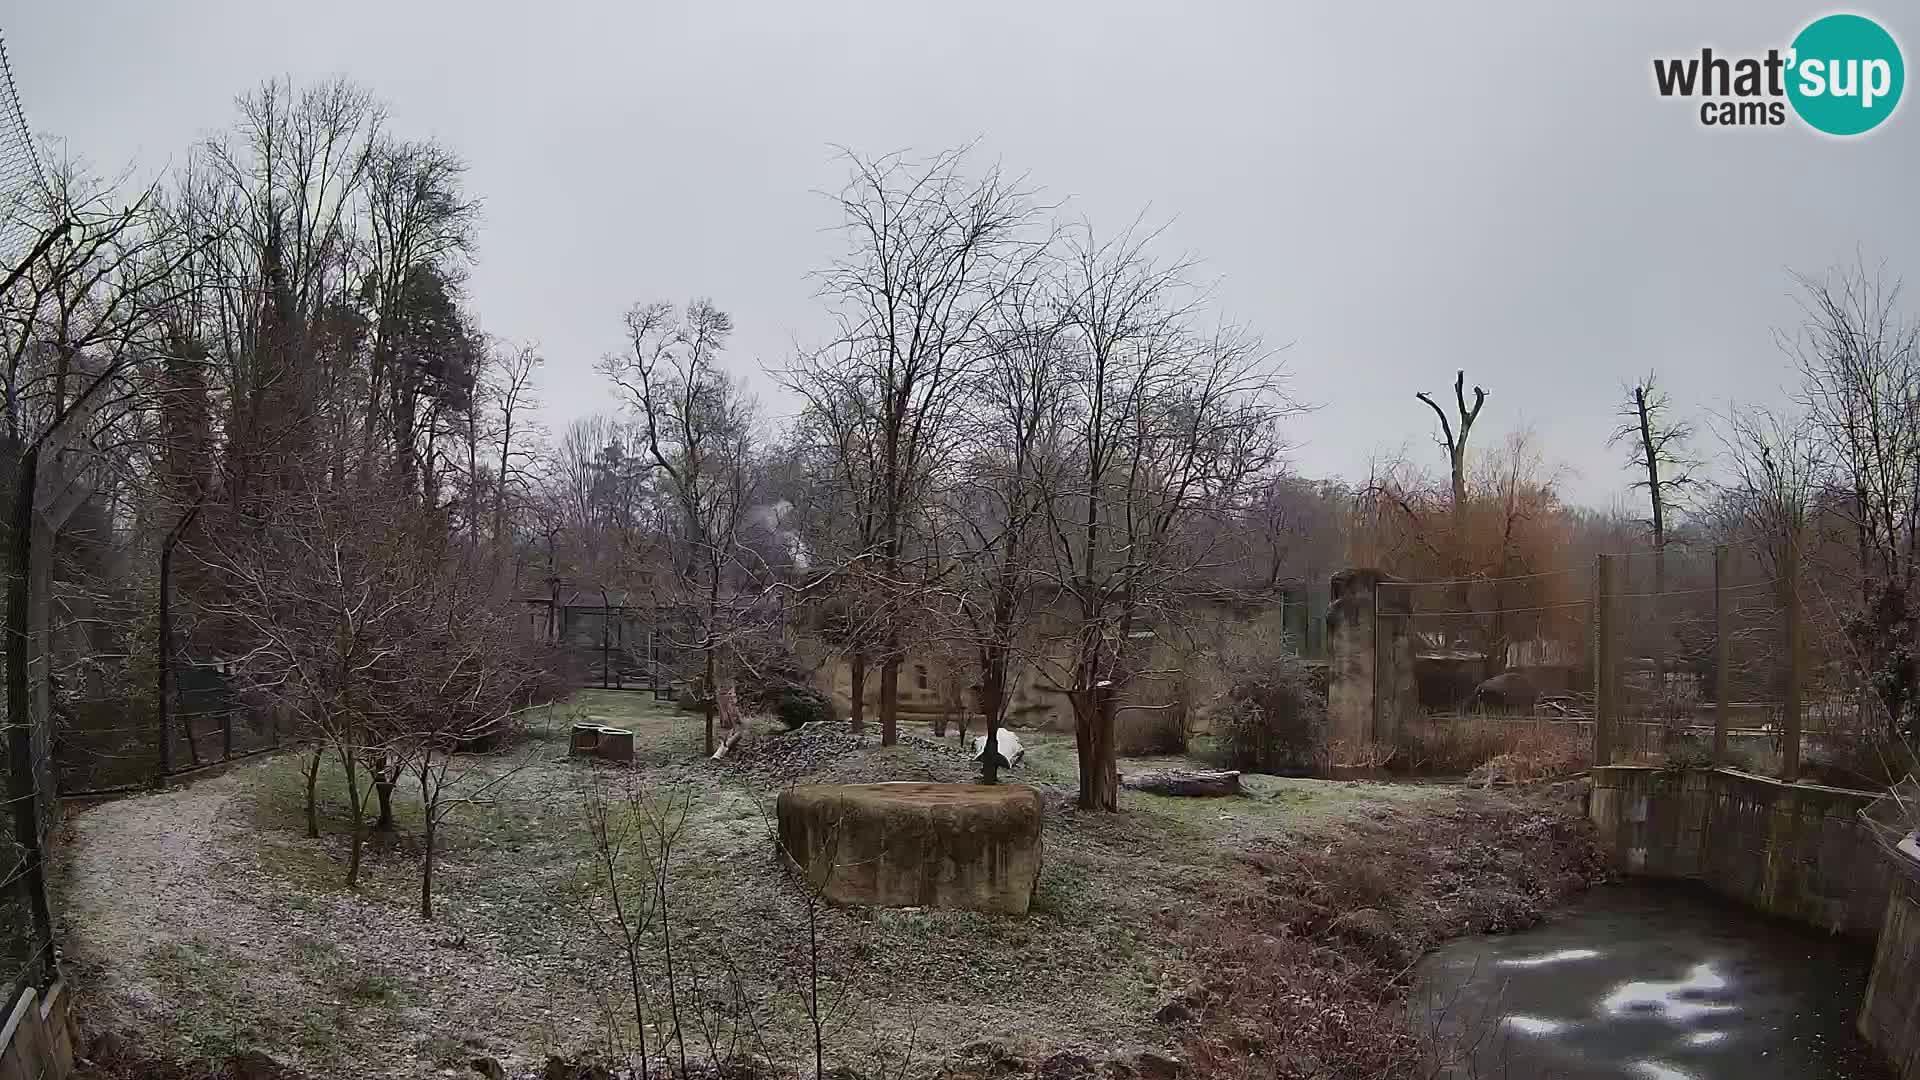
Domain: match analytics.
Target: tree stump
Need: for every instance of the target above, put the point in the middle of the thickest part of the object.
(598, 740)
(1199, 783)
(971, 846)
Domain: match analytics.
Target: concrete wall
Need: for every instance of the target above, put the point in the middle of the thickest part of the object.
(1794, 850)
(1890, 1018)
(1370, 692)
(941, 677)
(36, 1042)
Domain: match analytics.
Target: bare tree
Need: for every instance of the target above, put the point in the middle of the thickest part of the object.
(1658, 451)
(698, 428)
(933, 250)
(417, 219)
(837, 515)
(287, 185)
(325, 599)
(1859, 358)
(469, 669)
(513, 397)
(1019, 411)
(1166, 423)
(1455, 443)
(1658, 454)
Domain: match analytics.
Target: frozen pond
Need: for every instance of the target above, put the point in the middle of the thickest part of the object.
(1656, 982)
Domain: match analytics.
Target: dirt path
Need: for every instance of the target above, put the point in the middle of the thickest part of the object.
(137, 874)
(188, 932)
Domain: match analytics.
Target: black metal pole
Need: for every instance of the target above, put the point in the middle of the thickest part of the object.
(24, 787)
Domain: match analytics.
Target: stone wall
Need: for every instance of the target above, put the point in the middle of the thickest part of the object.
(1890, 1018)
(1370, 692)
(1794, 850)
(36, 1042)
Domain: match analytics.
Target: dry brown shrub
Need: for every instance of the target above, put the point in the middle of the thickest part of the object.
(1517, 750)
(1309, 966)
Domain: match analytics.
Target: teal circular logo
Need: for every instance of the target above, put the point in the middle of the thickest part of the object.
(1846, 74)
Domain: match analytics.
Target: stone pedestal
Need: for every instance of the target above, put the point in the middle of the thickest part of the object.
(972, 846)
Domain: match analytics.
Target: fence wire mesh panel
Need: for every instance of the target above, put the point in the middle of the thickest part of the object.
(26, 932)
(620, 648)
(1499, 669)
(1670, 671)
(20, 172)
(1717, 655)
(105, 744)
(1649, 657)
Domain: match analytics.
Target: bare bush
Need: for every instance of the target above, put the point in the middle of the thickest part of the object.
(1492, 749)
(1307, 969)
(1273, 719)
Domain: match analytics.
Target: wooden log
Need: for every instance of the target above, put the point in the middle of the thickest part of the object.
(1197, 783)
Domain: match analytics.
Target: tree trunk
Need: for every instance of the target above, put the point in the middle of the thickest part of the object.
(193, 745)
(890, 698)
(993, 694)
(426, 872)
(385, 775)
(710, 697)
(313, 783)
(1650, 453)
(857, 675)
(430, 800)
(1099, 768)
(1457, 515)
(359, 819)
(163, 650)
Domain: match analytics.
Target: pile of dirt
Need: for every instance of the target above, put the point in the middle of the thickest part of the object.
(1308, 971)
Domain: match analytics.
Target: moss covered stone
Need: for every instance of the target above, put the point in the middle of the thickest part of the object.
(969, 846)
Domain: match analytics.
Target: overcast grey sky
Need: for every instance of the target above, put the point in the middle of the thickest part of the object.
(1392, 190)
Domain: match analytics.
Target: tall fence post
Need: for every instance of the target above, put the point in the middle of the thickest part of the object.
(1791, 707)
(1720, 655)
(1373, 646)
(1604, 705)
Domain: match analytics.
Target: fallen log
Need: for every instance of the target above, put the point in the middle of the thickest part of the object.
(1198, 783)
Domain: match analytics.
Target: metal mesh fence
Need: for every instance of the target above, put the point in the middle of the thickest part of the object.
(106, 743)
(1650, 657)
(20, 173)
(26, 932)
(620, 648)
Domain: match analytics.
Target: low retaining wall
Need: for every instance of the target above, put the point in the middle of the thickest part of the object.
(37, 1041)
(1794, 850)
(1890, 1018)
